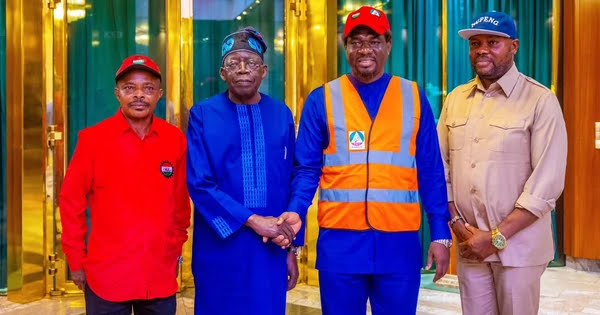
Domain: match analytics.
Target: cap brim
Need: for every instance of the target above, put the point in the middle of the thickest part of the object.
(380, 31)
(138, 67)
(469, 32)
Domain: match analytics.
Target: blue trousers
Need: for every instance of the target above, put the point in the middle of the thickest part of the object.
(389, 294)
(95, 305)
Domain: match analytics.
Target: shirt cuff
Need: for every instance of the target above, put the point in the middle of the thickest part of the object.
(299, 241)
(226, 227)
(539, 207)
(243, 215)
(439, 230)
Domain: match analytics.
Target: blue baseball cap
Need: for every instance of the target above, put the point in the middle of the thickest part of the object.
(491, 23)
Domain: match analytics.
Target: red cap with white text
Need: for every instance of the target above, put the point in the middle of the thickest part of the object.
(368, 16)
(139, 62)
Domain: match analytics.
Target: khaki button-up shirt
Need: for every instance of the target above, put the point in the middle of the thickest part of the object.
(505, 147)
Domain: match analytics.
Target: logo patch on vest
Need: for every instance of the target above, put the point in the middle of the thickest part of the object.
(356, 140)
(166, 168)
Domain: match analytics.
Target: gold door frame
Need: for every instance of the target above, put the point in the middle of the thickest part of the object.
(310, 61)
(180, 85)
(57, 125)
(27, 97)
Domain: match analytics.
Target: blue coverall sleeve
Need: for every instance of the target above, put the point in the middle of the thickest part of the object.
(430, 174)
(299, 241)
(308, 158)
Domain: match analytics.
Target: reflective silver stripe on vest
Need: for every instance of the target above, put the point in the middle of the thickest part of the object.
(408, 116)
(343, 157)
(378, 157)
(339, 117)
(377, 195)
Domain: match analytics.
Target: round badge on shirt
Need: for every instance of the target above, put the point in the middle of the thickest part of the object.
(166, 168)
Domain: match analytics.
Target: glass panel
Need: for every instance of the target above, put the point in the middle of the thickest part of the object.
(2, 147)
(101, 34)
(215, 19)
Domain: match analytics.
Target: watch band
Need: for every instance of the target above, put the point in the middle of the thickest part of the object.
(445, 242)
(455, 219)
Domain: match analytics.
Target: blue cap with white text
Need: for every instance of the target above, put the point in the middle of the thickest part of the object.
(491, 23)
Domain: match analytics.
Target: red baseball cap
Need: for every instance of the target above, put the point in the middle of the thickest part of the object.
(140, 62)
(368, 16)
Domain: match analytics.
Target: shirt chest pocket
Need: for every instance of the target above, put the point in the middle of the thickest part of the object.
(276, 145)
(457, 133)
(508, 135)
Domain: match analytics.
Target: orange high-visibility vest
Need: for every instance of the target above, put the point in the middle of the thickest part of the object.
(369, 176)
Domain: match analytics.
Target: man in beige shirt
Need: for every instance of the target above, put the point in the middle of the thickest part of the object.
(504, 146)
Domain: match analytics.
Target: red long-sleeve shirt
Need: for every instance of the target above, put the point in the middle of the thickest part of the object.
(139, 208)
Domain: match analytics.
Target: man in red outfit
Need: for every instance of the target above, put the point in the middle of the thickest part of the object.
(130, 171)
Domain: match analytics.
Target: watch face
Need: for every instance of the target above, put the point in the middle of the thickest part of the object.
(499, 241)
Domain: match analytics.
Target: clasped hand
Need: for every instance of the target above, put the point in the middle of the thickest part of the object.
(281, 230)
(475, 244)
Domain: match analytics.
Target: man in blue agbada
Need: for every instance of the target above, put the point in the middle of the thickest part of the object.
(240, 153)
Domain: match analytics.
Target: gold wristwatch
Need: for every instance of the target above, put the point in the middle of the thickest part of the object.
(498, 240)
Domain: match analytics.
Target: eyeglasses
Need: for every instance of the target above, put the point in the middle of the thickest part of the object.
(129, 89)
(232, 65)
(374, 44)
